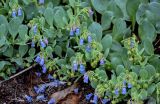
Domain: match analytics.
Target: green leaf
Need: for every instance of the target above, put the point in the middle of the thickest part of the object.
(96, 29)
(148, 47)
(49, 50)
(106, 52)
(23, 50)
(122, 5)
(106, 20)
(2, 42)
(148, 11)
(116, 46)
(3, 75)
(147, 30)
(143, 94)
(23, 30)
(32, 52)
(70, 52)
(26, 2)
(107, 42)
(143, 74)
(18, 61)
(60, 17)
(72, 3)
(151, 100)
(58, 50)
(100, 5)
(102, 74)
(115, 61)
(14, 26)
(112, 6)
(48, 14)
(8, 52)
(155, 61)
(151, 70)
(3, 30)
(50, 33)
(136, 68)
(30, 11)
(3, 63)
(120, 69)
(119, 29)
(151, 88)
(3, 20)
(132, 6)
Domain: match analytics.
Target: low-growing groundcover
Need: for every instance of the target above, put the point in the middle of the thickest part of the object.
(112, 45)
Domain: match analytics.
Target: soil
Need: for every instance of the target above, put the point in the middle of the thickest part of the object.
(13, 91)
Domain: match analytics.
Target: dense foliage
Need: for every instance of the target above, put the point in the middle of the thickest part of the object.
(108, 43)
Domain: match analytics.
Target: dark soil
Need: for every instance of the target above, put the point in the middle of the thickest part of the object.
(14, 90)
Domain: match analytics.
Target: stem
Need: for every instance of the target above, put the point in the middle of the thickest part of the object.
(21, 72)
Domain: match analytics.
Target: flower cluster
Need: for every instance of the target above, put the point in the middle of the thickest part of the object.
(95, 99)
(41, 89)
(41, 1)
(75, 65)
(41, 62)
(75, 31)
(18, 12)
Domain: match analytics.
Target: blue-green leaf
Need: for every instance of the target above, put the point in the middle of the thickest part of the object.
(106, 20)
(14, 26)
(148, 46)
(96, 29)
(147, 30)
(106, 42)
(48, 14)
(23, 50)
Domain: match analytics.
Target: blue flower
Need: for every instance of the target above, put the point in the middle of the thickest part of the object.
(129, 85)
(105, 101)
(88, 48)
(91, 12)
(38, 59)
(71, 32)
(28, 98)
(85, 78)
(124, 83)
(88, 97)
(50, 77)
(89, 39)
(132, 43)
(41, 89)
(46, 40)
(32, 44)
(82, 69)
(124, 90)
(40, 98)
(55, 83)
(95, 99)
(81, 41)
(44, 69)
(41, 62)
(35, 29)
(41, 1)
(77, 31)
(75, 66)
(38, 74)
(51, 101)
(102, 62)
(43, 45)
(14, 13)
(36, 89)
(116, 91)
(76, 90)
(19, 11)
